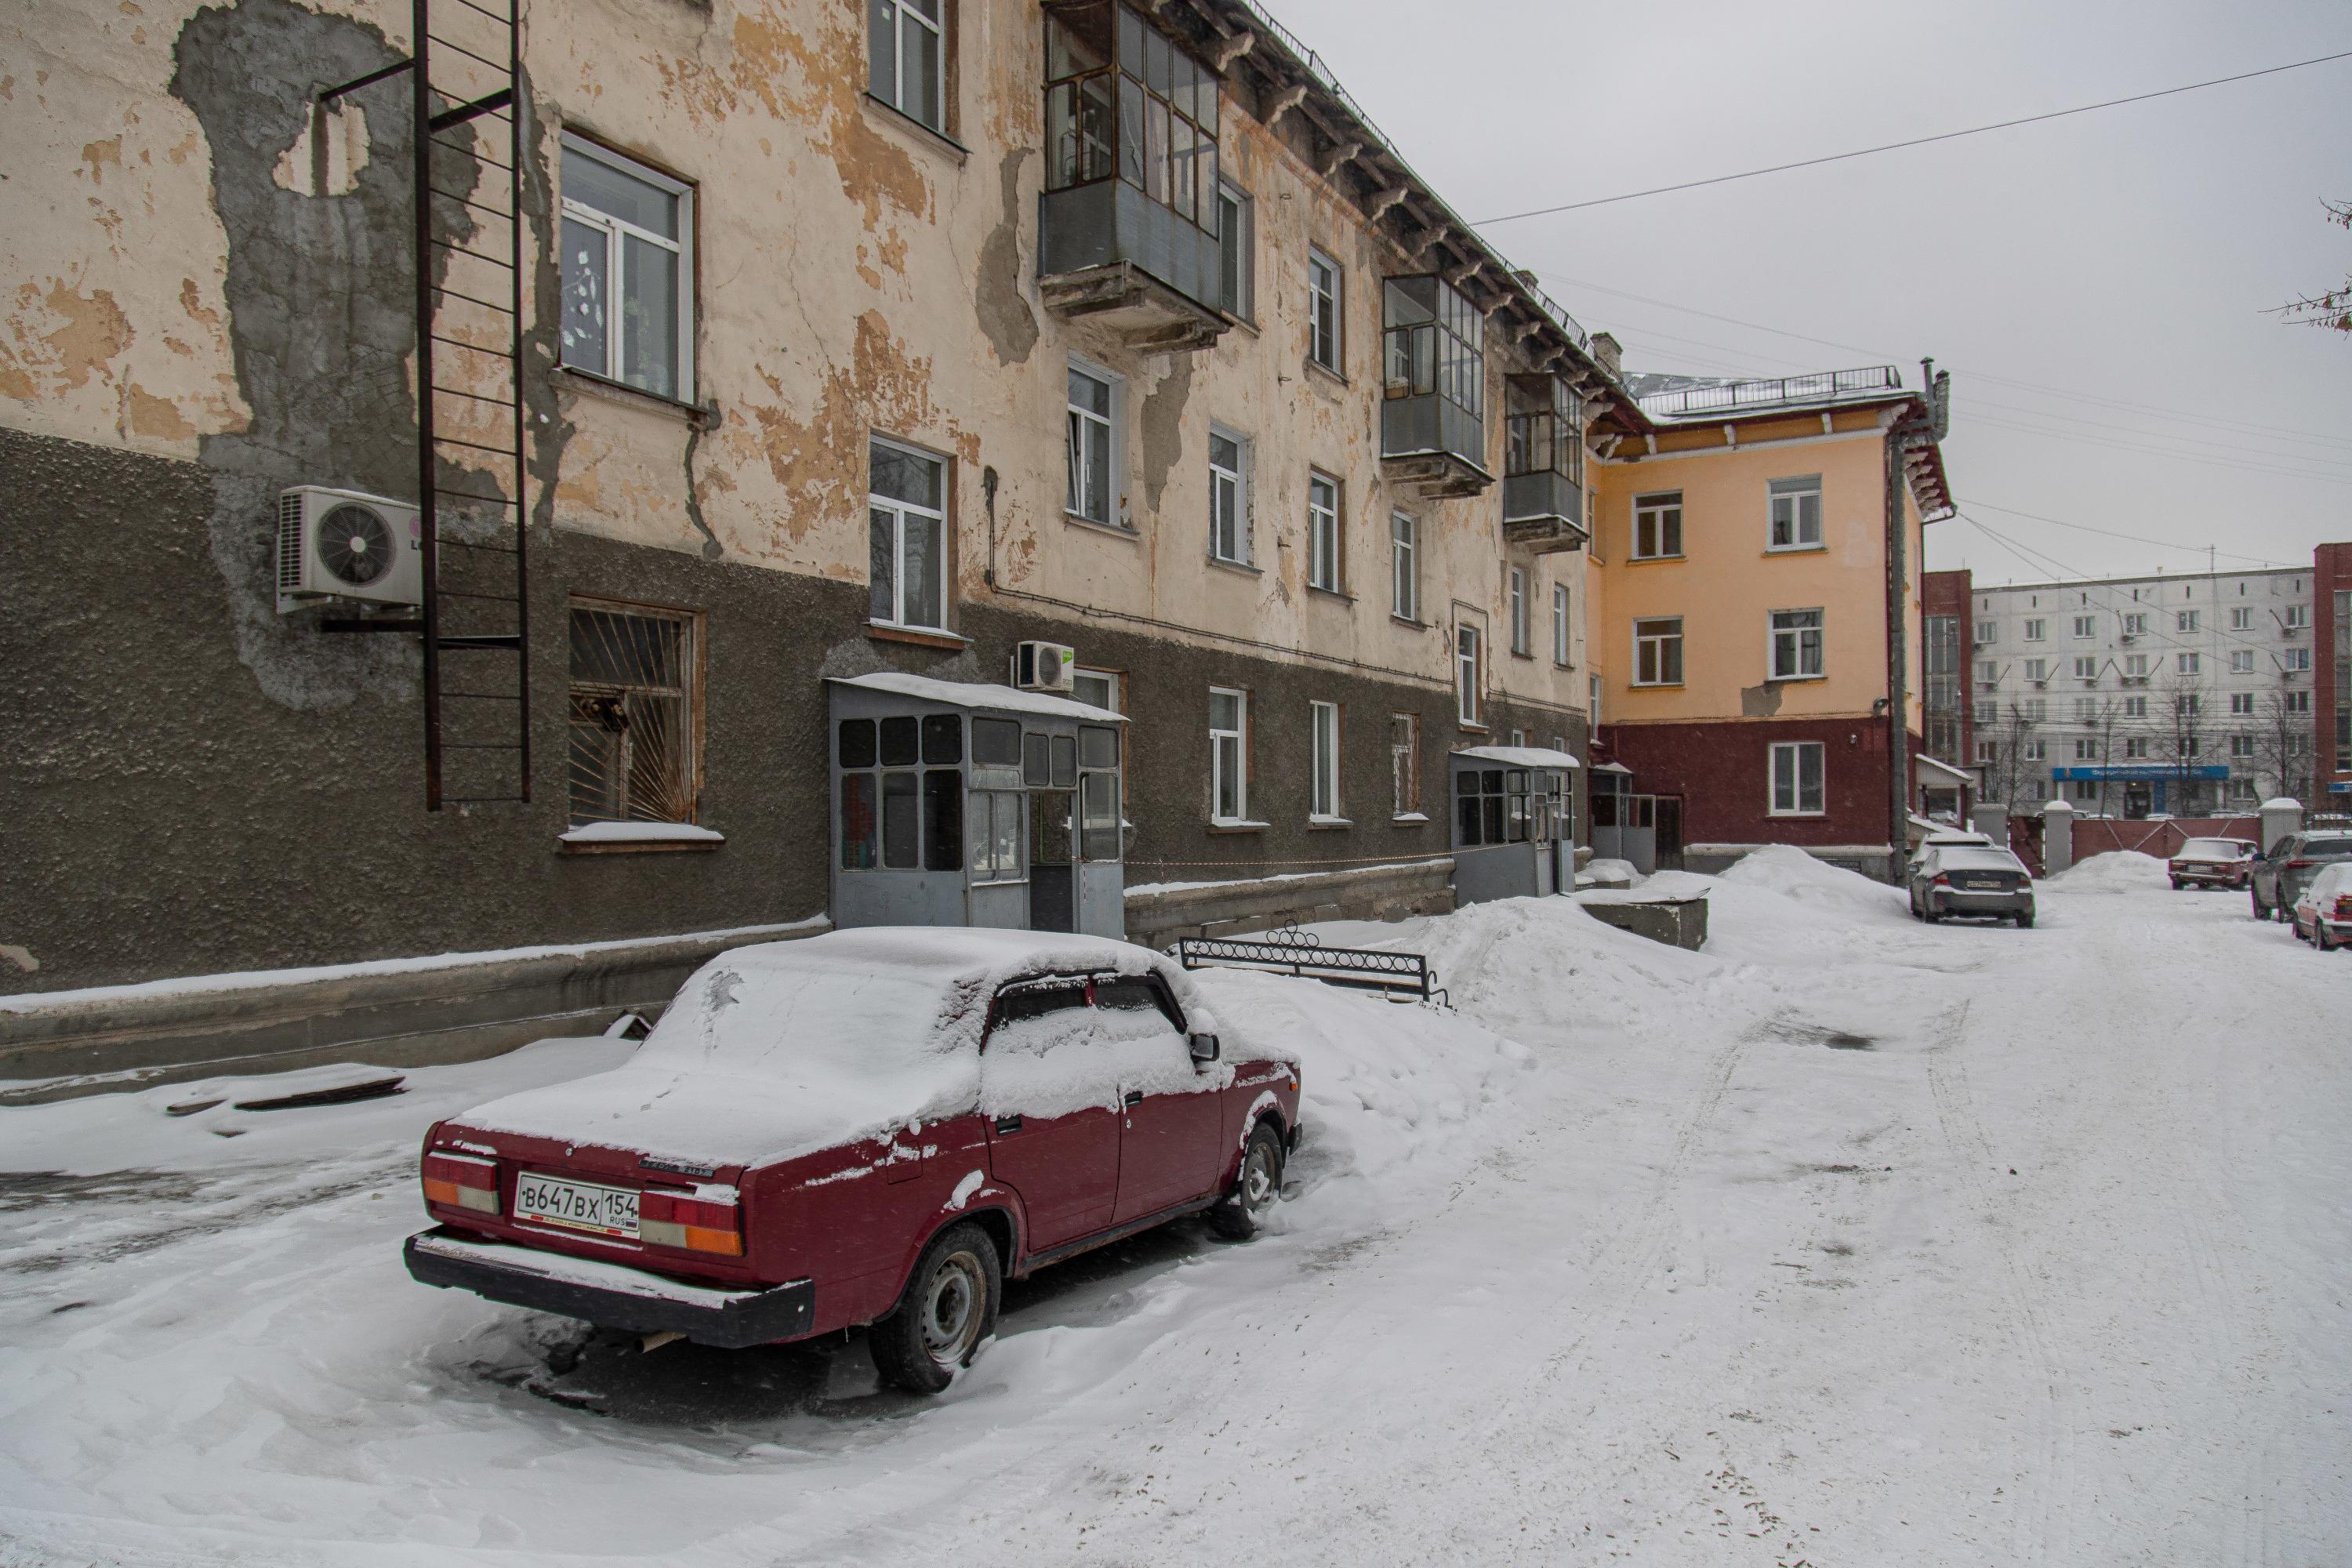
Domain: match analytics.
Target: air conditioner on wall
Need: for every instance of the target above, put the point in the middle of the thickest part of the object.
(345, 544)
(1043, 666)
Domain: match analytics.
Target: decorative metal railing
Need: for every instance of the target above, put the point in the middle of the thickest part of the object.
(1737, 395)
(1289, 950)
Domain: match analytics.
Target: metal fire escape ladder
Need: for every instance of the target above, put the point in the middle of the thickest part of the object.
(466, 89)
(467, 143)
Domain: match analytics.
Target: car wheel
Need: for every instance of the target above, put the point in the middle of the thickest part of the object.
(2025, 922)
(948, 1309)
(2319, 938)
(1259, 1189)
(2261, 910)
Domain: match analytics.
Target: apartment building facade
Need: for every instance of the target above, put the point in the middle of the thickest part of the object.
(806, 353)
(2189, 694)
(1759, 548)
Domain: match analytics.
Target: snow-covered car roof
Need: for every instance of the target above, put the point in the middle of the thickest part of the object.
(2227, 848)
(783, 1049)
(2333, 881)
(1953, 835)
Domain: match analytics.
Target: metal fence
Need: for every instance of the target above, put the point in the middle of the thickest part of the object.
(1396, 976)
(1725, 396)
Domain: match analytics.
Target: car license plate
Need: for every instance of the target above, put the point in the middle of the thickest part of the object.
(1986, 883)
(577, 1206)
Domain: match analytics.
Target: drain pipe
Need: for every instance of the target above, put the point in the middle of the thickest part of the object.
(988, 494)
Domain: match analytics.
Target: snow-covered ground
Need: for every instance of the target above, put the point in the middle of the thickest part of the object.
(1847, 1241)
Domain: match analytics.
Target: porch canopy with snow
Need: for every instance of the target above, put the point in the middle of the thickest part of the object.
(956, 803)
(1514, 834)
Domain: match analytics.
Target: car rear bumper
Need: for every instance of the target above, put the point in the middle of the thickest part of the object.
(611, 1295)
(1964, 901)
(2217, 875)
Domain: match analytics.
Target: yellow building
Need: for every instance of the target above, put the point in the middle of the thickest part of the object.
(1757, 547)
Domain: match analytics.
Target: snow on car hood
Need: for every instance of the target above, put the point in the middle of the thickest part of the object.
(781, 1050)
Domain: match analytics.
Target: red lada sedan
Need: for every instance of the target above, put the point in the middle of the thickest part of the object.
(871, 1127)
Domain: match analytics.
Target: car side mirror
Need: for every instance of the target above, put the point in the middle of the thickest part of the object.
(1204, 1050)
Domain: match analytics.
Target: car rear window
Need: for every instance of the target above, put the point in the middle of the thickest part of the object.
(2212, 849)
(1977, 857)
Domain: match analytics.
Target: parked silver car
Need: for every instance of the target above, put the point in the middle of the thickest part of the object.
(2279, 877)
(1972, 880)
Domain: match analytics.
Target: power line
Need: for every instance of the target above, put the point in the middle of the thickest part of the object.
(1914, 142)
(2111, 533)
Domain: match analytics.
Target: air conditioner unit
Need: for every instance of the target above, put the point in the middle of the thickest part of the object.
(2042, 683)
(1043, 666)
(2131, 637)
(344, 544)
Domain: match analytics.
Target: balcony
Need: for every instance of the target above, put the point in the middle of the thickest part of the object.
(1127, 228)
(1543, 465)
(1434, 389)
(1873, 384)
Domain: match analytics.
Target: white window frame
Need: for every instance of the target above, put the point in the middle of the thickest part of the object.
(615, 230)
(1795, 490)
(1989, 669)
(900, 510)
(2135, 664)
(1790, 639)
(2086, 748)
(2036, 749)
(2135, 747)
(1658, 641)
(1110, 678)
(1987, 752)
(2135, 707)
(1229, 498)
(2242, 745)
(1796, 753)
(1219, 740)
(2295, 660)
(2188, 620)
(2299, 617)
(1077, 462)
(1404, 566)
(2085, 627)
(1323, 531)
(2295, 701)
(1658, 510)
(1323, 776)
(2242, 704)
(2036, 628)
(1522, 626)
(2241, 617)
(2241, 661)
(2037, 669)
(2086, 667)
(902, 12)
(2188, 664)
(2136, 623)
(1238, 230)
(1404, 766)
(1560, 646)
(1469, 674)
(1327, 284)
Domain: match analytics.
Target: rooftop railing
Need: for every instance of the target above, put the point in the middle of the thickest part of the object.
(1728, 396)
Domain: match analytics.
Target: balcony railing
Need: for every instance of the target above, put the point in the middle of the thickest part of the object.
(1800, 390)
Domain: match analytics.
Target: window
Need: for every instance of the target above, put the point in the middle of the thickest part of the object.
(2035, 750)
(2188, 745)
(1521, 636)
(2298, 616)
(1323, 298)
(1658, 652)
(2241, 661)
(1236, 251)
(2188, 704)
(2035, 710)
(1097, 687)
(1404, 764)
(1592, 701)
(1162, 102)
(635, 674)
(2086, 667)
(1323, 724)
(993, 833)
(1658, 526)
(1322, 532)
(2087, 750)
(1796, 644)
(2037, 669)
(2295, 701)
(2036, 630)
(1093, 395)
(909, 71)
(1989, 670)
(1796, 509)
(1519, 737)
(1987, 752)
(2135, 665)
(2188, 663)
(2242, 704)
(2086, 626)
(2187, 619)
(1797, 778)
(2087, 709)
(2136, 623)
(2136, 746)
(628, 272)
(920, 823)
(1560, 643)
(2293, 660)
(1435, 344)
(1228, 755)
(2241, 617)
(2242, 745)
(1469, 681)
(1404, 570)
(905, 503)
(2135, 707)
(1228, 498)
(1988, 633)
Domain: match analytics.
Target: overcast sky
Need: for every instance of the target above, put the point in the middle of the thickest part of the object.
(2096, 285)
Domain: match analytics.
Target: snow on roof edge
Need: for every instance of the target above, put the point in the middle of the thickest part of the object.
(978, 694)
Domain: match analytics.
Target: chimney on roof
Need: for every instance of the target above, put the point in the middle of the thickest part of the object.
(1607, 355)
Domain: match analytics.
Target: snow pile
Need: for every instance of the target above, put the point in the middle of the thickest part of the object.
(2114, 871)
(1538, 966)
(1791, 872)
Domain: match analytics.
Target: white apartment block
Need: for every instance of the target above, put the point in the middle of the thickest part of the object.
(2127, 696)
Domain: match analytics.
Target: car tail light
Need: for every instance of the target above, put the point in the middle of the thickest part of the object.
(2301, 865)
(1943, 879)
(462, 1182)
(696, 1225)
(2344, 906)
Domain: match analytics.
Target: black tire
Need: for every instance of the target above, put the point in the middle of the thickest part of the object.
(1928, 915)
(2177, 884)
(1258, 1189)
(2025, 922)
(948, 1309)
(2261, 910)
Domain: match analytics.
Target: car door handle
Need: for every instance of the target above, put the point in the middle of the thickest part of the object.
(1008, 1124)
(1135, 1097)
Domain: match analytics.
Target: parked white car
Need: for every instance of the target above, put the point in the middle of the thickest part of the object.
(2323, 911)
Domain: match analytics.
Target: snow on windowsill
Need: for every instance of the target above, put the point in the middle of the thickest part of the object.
(1405, 818)
(639, 833)
(1238, 824)
(1314, 821)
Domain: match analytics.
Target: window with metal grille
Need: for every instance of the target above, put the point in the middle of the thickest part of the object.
(635, 703)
